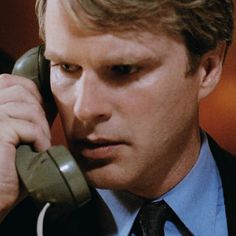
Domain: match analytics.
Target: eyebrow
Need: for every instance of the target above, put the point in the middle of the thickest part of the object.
(126, 59)
(52, 55)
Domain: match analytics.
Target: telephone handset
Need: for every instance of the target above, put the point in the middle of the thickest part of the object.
(52, 176)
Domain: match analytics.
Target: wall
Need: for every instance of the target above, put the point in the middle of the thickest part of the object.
(19, 31)
(218, 110)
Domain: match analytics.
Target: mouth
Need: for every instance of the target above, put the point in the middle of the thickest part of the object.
(99, 149)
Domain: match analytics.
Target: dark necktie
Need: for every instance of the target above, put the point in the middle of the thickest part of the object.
(152, 218)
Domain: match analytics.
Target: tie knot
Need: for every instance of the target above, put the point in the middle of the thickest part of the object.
(153, 215)
(152, 218)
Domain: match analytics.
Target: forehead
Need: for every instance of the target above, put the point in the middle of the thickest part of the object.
(86, 15)
(122, 15)
(64, 36)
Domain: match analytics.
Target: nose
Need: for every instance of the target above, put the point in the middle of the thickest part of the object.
(91, 105)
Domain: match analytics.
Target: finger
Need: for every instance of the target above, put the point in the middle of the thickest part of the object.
(33, 113)
(11, 192)
(8, 80)
(22, 131)
(17, 93)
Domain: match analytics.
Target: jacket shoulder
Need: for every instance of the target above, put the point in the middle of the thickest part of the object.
(22, 220)
(226, 163)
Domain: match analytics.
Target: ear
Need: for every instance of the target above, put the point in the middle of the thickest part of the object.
(210, 69)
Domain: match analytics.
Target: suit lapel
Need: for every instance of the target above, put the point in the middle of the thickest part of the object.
(226, 163)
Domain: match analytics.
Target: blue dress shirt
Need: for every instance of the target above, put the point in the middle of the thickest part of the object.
(197, 200)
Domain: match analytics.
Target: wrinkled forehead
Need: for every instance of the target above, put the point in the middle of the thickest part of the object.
(66, 40)
(71, 14)
(105, 16)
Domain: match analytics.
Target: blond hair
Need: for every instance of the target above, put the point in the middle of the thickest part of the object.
(201, 23)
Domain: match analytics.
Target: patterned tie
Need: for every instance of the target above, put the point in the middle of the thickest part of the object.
(152, 217)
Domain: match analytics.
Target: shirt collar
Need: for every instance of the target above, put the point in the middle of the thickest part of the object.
(194, 200)
(118, 211)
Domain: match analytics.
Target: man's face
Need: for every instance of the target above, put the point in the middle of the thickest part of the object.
(128, 109)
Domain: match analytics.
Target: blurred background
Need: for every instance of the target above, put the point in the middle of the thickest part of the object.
(19, 32)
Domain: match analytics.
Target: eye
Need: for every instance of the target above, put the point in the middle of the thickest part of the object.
(124, 69)
(70, 68)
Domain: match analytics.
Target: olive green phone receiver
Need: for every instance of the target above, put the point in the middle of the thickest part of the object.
(52, 176)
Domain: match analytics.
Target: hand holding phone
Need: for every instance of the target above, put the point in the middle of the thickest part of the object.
(48, 174)
(22, 119)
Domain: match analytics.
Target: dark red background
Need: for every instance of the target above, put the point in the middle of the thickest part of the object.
(19, 32)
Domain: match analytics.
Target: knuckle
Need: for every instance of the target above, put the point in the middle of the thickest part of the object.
(20, 91)
(3, 116)
(37, 130)
(37, 108)
(5, 80)
(28, 83)
(31, 84)
(10, 80)
(4, 113)
(18, 88)
(8, 134)
(4, 76)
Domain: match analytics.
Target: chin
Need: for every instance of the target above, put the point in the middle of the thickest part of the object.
(107, 174)
(106, 178)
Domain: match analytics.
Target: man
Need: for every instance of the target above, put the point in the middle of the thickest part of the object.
(127, 78)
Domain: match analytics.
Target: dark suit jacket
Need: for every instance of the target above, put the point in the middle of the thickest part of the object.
(227, 167)
(22, 220)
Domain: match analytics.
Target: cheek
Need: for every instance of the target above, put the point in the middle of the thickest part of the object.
(66, 117)
(144, 102)
(156, 109)
(63, 87)
(63, 95)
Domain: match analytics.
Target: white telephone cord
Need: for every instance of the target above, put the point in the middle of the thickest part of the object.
(41, 219)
